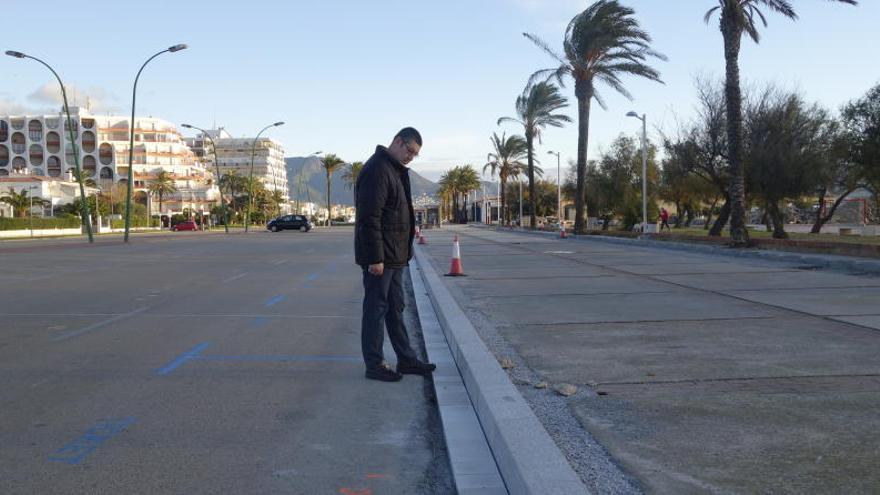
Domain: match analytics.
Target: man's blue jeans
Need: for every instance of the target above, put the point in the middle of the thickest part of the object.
(383, 305)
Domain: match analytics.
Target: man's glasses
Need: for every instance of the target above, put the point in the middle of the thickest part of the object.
(411, 151)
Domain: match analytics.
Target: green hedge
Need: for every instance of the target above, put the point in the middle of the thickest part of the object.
(66, 222)
(135, 222)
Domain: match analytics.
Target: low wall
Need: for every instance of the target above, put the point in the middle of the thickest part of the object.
(9, 234)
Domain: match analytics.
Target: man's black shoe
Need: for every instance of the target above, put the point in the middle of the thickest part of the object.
(383, 373)
(415, 368)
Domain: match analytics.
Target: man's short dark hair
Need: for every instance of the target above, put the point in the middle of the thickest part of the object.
(408, 134)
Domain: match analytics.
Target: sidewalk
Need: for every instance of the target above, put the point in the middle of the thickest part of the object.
(697, 372)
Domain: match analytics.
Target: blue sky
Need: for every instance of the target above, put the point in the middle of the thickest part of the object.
(346, 75)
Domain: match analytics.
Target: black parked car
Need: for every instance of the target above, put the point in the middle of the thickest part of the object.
(289, 222)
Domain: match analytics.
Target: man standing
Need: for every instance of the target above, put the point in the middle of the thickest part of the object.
(384, 231)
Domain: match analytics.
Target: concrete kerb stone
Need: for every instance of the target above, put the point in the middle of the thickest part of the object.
(473, 466)
(827, 261)
(528, 459)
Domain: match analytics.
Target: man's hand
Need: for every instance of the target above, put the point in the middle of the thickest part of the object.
(378, 269)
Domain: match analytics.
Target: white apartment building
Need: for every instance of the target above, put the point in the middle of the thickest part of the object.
(32, 145)
(235, 154)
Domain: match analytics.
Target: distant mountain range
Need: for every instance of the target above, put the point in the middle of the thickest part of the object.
(305, 174)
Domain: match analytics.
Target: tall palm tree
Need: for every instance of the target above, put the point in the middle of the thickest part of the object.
(457, 183)
(351, 174)
(161, 186)
(507, 161)
(21, 202)
(276, 197)
(448, 193)
(535, 109)
(233, 182)
(467, 179)
(331, 163)
(738, 17)
(602, 44)
(87, 178)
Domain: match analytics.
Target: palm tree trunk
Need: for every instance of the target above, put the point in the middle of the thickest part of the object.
(584, 98)
(328, 198)
(501, 216)
(721, 221)
(739, 236)
(530, 145)
(778, 220)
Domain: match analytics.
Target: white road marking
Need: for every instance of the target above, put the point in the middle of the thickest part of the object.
(236, 277)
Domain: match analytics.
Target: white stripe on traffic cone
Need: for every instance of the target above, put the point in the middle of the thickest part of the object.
(455, 267)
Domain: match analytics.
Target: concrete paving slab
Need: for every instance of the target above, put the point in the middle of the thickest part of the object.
(795, 279)
(695, 351)
(540, 286)
(610, 308)
(719, 268)
(852, 301)
(742, 442)
(865, 321)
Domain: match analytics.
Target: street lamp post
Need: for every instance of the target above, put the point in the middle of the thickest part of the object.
(217, 168)
(172, 49)
(31, 211)
(247, 220)
(558, 188)
(644, 120)
(84, 206)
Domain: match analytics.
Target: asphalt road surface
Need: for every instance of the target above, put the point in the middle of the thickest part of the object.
(201, 363)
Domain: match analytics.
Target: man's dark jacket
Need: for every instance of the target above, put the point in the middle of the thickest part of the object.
(384, 223)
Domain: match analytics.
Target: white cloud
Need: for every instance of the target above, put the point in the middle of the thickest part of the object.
(96, 99)
(8, 106)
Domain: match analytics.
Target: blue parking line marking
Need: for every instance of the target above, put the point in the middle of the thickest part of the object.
(275, 300)
(312, 277)
(283, 359)
(77, 450)
(259, 321)
(183, 358)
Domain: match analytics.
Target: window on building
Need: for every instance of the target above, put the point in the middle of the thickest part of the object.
(18, 143)
(53, 164)
(36, 155)
(53, 142)
(88, 141)
(35, 130)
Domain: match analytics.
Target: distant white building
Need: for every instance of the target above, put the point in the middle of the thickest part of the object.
(32, 145)
(236, 154)
(56, 190)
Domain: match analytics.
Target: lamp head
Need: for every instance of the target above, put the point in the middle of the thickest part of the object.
(15, 54)
(633, 114)
(177, 48)
(276, 124)
(186, 126)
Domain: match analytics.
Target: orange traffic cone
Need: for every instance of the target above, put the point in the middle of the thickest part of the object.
(455, 268)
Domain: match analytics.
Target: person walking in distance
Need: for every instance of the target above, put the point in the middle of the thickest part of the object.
(383, 246)
(664, 220)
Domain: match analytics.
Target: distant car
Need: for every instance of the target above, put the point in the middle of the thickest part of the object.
(289, 222)
(186, 225)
